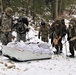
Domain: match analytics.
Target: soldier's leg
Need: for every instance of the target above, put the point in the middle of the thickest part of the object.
(43, 39)
(52, 38)
(71, 48)
(3, 38)
(61, 46)
(18, 37)
(23, 37)
(46, 40)
(52, 42)
(57, 49)
(9, 37)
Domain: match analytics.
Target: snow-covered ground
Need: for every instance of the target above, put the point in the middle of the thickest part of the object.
(57, 65)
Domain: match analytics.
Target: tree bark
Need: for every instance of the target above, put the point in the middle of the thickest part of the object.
(54, 8)
(1, 6)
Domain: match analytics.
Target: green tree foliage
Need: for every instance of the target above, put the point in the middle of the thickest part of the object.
(39, 6)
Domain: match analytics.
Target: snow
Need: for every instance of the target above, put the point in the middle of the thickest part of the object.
(74, 16)
(57, 65)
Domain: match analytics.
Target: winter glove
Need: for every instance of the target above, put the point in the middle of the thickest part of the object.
(27, 30)
(68, 38)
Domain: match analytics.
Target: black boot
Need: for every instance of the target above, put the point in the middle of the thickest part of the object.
(0, 52)
(56, 52)
(60, 51)
(71, 56)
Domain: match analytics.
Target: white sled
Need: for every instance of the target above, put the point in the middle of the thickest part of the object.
(23, 55)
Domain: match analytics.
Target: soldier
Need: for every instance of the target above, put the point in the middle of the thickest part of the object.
(22, 25)
(72, 34)
(58, 31)
(43, 32)
(6, 26)
(22, 28)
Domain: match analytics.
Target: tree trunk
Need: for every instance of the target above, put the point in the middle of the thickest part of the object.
(1, 6)
(56, 8)
(61, 7)
(27, 2)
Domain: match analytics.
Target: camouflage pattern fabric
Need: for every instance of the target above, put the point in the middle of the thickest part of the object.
(6, 29)
(44, 32)
(21, 31)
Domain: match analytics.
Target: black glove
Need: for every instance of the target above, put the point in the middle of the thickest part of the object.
(27, 30)
(68, 38)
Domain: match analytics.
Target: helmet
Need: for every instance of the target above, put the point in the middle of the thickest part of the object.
(9, 10)
(20, 20)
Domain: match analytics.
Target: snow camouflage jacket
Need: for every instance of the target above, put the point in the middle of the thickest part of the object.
(5, 23)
